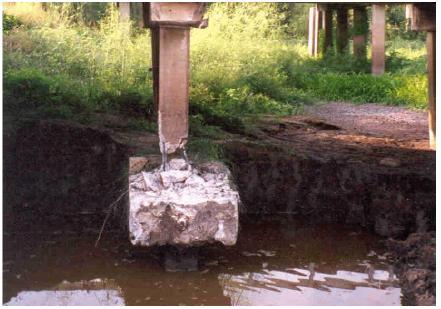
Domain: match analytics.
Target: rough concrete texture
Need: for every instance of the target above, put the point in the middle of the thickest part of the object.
(183, 206)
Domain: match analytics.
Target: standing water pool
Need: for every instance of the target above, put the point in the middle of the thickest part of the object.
(275, 262)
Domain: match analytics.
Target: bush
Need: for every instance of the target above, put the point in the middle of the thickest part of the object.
(10, 22)
(29, 89)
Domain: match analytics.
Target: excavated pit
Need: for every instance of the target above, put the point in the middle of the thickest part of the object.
(63, 176)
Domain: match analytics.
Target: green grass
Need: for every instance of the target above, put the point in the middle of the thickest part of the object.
(243, 65)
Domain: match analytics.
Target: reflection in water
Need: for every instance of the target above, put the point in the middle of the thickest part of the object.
(92, 293)
(273, 263)
(308, 287)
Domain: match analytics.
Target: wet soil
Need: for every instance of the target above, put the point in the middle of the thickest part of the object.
(416, 264)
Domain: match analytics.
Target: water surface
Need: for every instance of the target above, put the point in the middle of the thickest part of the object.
(277, 262)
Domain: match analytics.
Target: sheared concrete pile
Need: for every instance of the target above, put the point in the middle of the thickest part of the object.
(183, 205)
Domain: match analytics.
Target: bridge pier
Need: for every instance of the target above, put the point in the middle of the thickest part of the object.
(313, 31)
(178, 206)
(360, 32)
(124, 11)
(378, 38)
(327, 25)
(342, 30)
(431, 73)
(170, 32)
(170, 53)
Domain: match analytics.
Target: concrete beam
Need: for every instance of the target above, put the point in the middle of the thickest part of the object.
(342, 30)
(378, 30)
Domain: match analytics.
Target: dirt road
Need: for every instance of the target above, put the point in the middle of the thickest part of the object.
(399, 123)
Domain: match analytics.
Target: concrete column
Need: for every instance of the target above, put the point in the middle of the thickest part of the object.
(360, 32)
(170, 24)
(312, 32)
(408, 15)
(327, 25)
(170, 46)
(431, 72)
(317, 27)
(124, 11)
(378, 38)
(154, 32)
(342, 30)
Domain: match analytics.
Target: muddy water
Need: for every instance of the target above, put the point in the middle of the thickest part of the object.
(278, 262)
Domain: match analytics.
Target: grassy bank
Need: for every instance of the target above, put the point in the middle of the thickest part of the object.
(243, 64)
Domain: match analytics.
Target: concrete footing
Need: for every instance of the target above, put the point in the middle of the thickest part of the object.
(184, 206)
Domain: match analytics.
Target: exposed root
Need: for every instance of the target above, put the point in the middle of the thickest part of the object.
(109, 211)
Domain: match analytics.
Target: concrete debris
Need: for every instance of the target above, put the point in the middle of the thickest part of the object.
(183, 206)
(137, 164)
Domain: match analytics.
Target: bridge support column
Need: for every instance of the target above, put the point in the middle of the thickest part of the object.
(170, 32)
(178, 204)
(170, 66)
(431, 71)
(327, 24)
(124, 11)
(313, 31)
(342, 30)
(378, 38)
(360, 32)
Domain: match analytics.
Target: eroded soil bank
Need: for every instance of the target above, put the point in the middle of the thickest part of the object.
(65, 175)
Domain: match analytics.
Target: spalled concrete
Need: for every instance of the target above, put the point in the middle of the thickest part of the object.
(183, 206)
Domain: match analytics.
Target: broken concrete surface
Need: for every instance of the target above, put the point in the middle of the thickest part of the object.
(183, 206)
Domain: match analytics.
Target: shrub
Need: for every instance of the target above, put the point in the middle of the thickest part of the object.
(31, 89)
(10, 22)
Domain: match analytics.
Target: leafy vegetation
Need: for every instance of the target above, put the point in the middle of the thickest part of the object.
(65, 60)
(10, 22)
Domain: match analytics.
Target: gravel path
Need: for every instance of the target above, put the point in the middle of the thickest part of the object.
(373, 119)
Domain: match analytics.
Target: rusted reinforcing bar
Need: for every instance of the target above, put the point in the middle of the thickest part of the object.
(170, 31)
